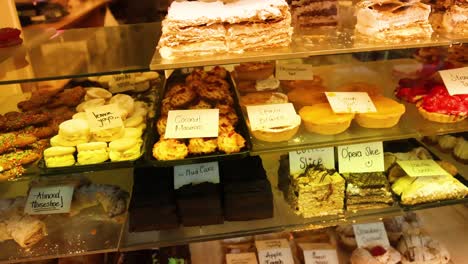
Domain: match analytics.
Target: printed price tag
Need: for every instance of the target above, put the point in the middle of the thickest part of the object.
(195, 174)
(456, 80)
(192, 123)
(420, 168)
(300, 159)
(319, 254)
(372, 234)
(49, 200)
(270, 116)
(104, 117)
(241, 258)
(274, 251)
(350, 102)
(366, 157)
(294, 72)
(122, 83)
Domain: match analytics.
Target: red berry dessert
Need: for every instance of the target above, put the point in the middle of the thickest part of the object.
(439, 106)
(10, 37)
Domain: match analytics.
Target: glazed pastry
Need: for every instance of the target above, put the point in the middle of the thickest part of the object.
(59, 156)
(202, 145)
(12, 173)
(321, 119)
(303, 96)
(422, 249)
(124, 149)
(461, 151)
(42, 132)
(439, 106)
(375, 255)
(25, 230)
(11, 160)
(447, 143)
(9, 141)
(69, 97)
(388, 114)
(253, 71)
(169, 149)
(92, 153)
(230, 142)
(74, 132)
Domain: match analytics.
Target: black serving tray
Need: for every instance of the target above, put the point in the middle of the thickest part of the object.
(407, 145)
(151, 97)
(241, 128)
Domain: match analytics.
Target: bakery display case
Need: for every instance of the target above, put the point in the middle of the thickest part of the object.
(288, 134)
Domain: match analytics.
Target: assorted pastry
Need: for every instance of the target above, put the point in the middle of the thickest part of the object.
(417, 190)
(200, 90)
(76, 144)
(458, 146)
(27, 230)
(449, 16)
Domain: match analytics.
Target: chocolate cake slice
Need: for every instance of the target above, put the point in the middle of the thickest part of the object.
(314, 13)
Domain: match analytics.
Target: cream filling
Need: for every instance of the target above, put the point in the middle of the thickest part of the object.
(60, 160)
(92, 156)
(129, 154)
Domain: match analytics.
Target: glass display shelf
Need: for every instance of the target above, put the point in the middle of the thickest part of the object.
(80, 52)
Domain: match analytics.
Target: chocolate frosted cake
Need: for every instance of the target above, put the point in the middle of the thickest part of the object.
(247, 191)
(314, 13)
(153, 206)
(200, 204)
(367, 191)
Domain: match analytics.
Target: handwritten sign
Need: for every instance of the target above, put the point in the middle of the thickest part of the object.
(196, 173)
(274, 251)
(370, 235)
(319, 254)
(192, 123)
(49, 200)
(350, 102)
(420, 168)
(300, 159)
(270, 116)
(104, 117)
(294, 72)
(456, 80)
(121, 83)
(241, 258)
(366, 157)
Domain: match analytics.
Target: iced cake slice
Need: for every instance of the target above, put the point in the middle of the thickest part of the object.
(314, 13)
(367, 191)
(317, 192)
(393, 20)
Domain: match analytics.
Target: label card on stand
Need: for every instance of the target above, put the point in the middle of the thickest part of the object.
(104, 117)
(122, 83)
(370, 235)
(241, 258)
(300, 159)
(350, 102)
(421, 168)
(192, 123)
(49, 200)
(274, 251)
(319, 254)
(456, 80)
(290, 72)
(196, 173)
(269, 116)
(358, 158)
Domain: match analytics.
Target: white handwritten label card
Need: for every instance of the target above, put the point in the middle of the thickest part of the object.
(456, 80)
(241, 258)
(350, 102)
(319, 254)
(192, 123)
(421, 168)
(104, 117)
(370, 235)
(49, 200)
(274, 251)
(294, 72)
(270, 116)
(300, 159)
(195, 174)
(121, 83)
(358, 158)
